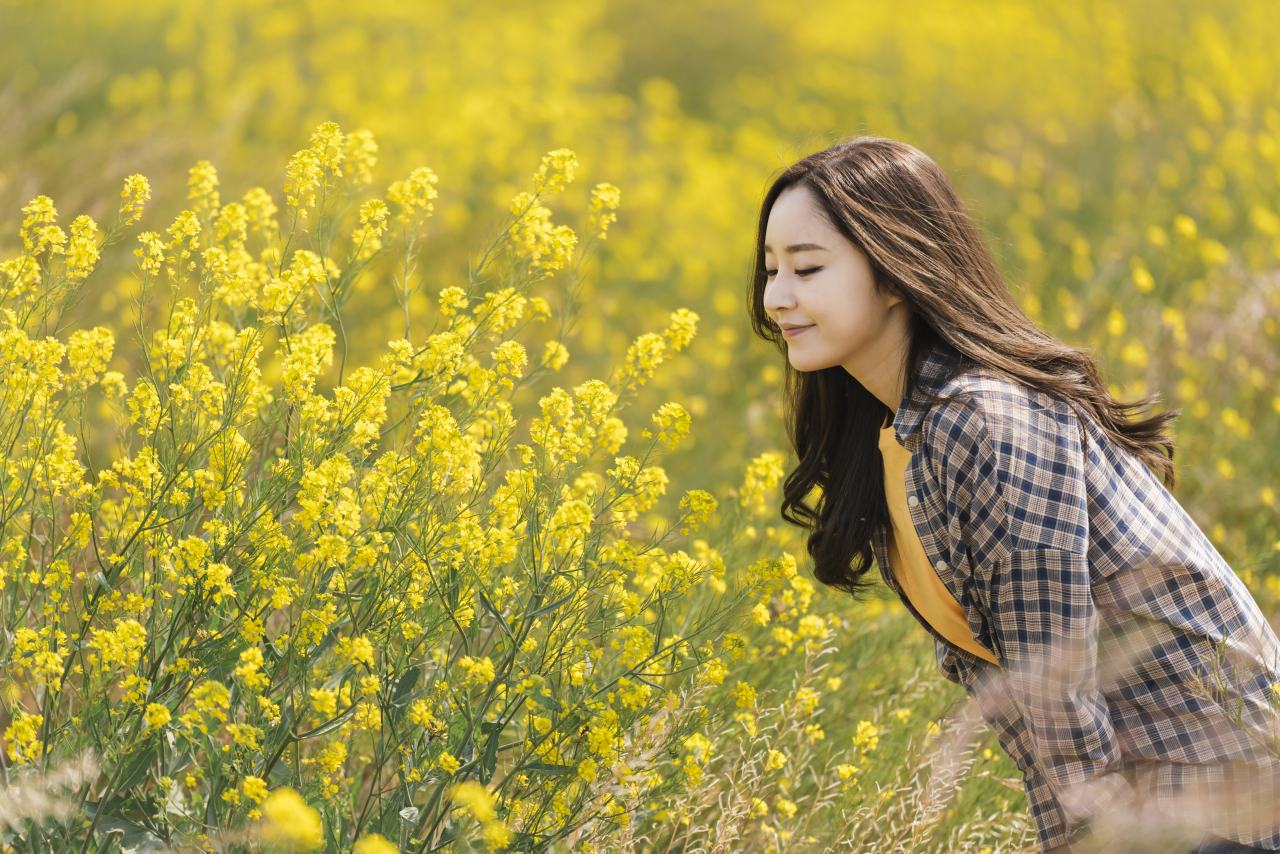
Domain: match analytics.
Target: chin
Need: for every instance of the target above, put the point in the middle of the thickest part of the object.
(805, 364)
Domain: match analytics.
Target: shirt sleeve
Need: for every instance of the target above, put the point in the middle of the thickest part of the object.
(1012, 481)
(987, 687)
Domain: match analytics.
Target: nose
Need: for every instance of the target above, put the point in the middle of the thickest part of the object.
(778, 296)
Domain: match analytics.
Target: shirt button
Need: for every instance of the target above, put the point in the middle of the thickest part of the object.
(912, 501)
(940, 565)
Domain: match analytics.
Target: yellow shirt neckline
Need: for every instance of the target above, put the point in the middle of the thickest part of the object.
(910, 565)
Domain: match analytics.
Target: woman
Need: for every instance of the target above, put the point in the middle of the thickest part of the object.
(1007, 499)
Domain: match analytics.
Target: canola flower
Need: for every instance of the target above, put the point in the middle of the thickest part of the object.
(1099, 251)
(274, 590)
(1174, 207)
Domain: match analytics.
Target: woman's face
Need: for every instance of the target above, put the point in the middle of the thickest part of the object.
(821, 291)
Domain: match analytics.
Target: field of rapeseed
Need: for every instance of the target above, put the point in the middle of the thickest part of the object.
(389, 466)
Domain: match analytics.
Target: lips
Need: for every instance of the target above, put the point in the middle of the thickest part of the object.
(792, 333)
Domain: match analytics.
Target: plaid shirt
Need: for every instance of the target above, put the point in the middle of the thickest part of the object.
(1101, 599)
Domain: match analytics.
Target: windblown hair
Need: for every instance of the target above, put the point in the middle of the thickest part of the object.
(896, 205)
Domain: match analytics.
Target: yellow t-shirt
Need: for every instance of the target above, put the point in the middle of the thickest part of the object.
(910, 565)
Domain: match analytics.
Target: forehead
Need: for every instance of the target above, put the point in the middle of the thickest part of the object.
(795, 213)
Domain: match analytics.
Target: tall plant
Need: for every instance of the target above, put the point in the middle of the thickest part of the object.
(369, 615)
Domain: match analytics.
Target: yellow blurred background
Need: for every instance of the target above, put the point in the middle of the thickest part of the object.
(1123, 157)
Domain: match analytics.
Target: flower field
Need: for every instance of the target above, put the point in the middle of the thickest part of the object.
(388, 463)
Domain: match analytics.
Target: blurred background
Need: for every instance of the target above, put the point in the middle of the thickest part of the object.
(1122, 156)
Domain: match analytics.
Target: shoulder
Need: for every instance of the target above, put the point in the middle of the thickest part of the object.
(993, 416)
(1008, 458)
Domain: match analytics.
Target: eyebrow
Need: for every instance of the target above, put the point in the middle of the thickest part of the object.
(799, 247)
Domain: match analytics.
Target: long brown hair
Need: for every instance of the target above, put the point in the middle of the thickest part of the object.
(900, 209)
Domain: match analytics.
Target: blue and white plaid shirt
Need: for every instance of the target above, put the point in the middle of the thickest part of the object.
(1102, 600)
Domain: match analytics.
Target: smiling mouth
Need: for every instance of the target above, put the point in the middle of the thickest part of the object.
(793, 332)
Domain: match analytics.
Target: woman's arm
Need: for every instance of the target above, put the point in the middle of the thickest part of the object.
(1010, 470)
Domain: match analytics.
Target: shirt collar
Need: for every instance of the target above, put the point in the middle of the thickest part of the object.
(935, 367)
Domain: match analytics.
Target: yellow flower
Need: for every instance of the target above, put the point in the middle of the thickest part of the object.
(682, 329)
(806, 700)
(255, 789)
(361, 155)
(698, 506)
(368, 717)
(311, 351)
(136, 191)
(556, 171)
(88, 351)
(1134, 354)
(250, 663)
(23, 736)
(157, 715)
(478, 671)
(213, 699)
(744, 695)
(448, 763)
(373, 222)
(302, 174)
(866, 737)
(356, 651)
(715, 672)
(413, 195)
(633, 695)
(547, 247)
(38, 232)
(775, 760)
(245, 735)
(374, 844)
(325, 703)
(601, 212)
(475, 799)
(1184, 226)
(1213, 252)
(673, 424)
(290, 820)
(496, 835)
(122, 645)
(762, 474)
(202, 183)
(554, 355)
(82, 254)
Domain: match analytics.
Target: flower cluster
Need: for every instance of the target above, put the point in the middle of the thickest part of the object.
(356, 572)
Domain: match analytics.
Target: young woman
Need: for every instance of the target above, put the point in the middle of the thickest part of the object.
(1009, 500)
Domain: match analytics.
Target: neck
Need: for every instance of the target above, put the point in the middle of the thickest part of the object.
(882, 368)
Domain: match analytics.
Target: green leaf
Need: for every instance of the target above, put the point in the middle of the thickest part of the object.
(135, 771)
(404, 685)
(489, 758)
(502, 623)
(547, 609)
(133, 838)
(328, 726)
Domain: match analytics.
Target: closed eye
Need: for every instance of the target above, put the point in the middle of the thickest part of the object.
(806, 272)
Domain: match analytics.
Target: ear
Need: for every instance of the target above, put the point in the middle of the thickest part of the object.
(892, 294)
